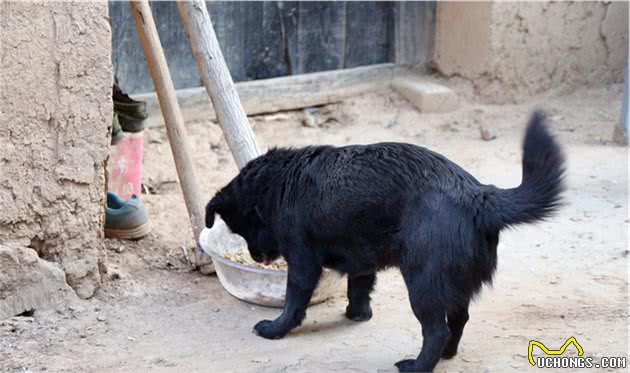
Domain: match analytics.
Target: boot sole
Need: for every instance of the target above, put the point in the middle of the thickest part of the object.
(129, 234)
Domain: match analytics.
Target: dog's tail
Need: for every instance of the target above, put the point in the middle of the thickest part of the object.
(539, 195)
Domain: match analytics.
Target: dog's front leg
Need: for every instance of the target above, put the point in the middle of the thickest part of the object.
(302, 281)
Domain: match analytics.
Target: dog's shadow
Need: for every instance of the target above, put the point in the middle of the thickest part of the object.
(340, 323)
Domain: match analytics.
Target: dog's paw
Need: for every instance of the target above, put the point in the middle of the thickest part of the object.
(267, 329)
(449, 352)
(359, 313)
(407, 365)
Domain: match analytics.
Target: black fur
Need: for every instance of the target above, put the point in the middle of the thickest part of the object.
(359, 209)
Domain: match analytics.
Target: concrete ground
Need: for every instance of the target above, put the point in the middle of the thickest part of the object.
(565, 277)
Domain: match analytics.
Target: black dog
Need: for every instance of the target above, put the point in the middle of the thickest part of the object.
(359, 209)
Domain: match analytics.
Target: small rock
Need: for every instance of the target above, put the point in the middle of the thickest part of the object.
(487, 134)
(101, 318)
(82, 335)
(426, 96)
(29, 283)
(115, 275)
(308, 120)
(83, 275)
(22, 319)
(120, 249)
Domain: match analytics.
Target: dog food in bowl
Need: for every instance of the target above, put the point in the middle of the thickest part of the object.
(253, 282)
(243, 257)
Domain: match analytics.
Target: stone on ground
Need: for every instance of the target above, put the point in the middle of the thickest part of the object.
(29, 283)
(426, 96)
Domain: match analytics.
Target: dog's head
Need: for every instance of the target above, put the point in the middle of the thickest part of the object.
(238, 205)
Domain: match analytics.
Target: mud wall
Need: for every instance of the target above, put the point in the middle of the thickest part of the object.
(55, 119)
(508, 51)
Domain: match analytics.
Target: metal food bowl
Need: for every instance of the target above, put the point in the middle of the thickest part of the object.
(265, 287)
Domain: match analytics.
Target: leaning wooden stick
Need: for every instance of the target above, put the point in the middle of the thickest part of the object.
(173, 119)
(218, 81)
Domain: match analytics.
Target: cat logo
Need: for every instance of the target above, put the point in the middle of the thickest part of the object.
(547, 351)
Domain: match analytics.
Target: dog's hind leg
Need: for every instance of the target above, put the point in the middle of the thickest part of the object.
(302, 280)
(456, 322)
(432, 317)
(359, 289)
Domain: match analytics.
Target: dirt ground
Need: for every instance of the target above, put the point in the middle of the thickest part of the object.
(566, 277)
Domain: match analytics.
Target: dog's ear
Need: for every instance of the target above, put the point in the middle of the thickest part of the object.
(213, 207)
(210, 210)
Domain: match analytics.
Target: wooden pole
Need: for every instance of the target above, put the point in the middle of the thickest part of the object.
(218, 81)
(173, 119)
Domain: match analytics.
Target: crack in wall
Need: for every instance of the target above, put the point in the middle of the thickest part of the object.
(602, 35)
